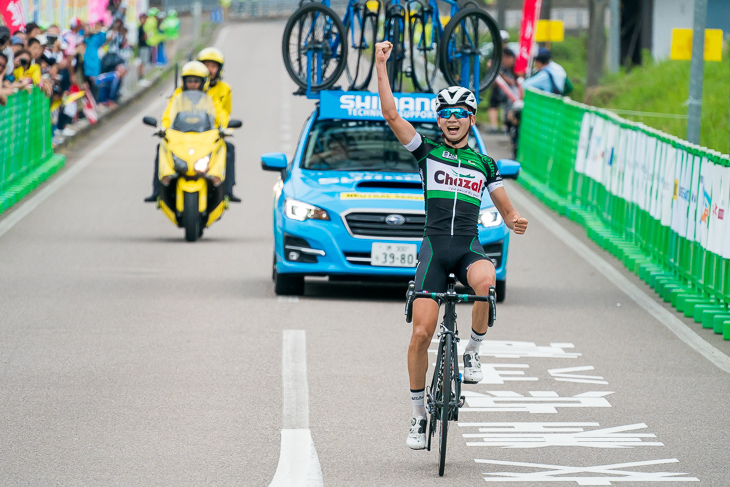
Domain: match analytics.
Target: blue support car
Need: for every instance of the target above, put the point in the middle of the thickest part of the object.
(349, 205)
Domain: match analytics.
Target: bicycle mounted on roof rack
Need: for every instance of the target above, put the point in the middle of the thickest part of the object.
(316, 45)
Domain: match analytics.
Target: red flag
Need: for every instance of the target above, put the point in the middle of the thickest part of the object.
(12, 12)
(530, 16)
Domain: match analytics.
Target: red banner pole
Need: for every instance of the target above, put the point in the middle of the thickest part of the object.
(528, 27)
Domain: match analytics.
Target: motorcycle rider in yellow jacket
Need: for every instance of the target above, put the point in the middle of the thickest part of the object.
(194, 77)
(220, 91)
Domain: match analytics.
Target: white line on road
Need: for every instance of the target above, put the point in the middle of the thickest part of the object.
(667, 318)
(298, 462)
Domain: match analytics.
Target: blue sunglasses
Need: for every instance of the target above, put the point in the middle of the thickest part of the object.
(458, 112)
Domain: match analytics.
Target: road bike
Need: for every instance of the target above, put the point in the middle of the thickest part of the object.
(316, 42)
(394, 30)
(444, 394)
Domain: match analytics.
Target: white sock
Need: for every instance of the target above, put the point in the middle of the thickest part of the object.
(417, 399)
(475, 341)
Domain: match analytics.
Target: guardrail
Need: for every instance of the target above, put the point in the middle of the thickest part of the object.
(26, 156)
(658, 203)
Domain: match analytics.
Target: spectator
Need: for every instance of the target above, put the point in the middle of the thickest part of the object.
(550, 76)
(113, 67)
(5, 83)
(21, 34)
(498, 98)
(36, 48)
(143, 49)
(6, 50)
(32, 29)
(151, 29)
(92, 64)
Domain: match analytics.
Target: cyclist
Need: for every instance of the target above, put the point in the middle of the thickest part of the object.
(220, 91)
(454, 177)
(194, 77)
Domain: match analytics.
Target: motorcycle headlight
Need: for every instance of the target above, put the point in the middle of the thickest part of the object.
(181, 167)
(297, 210)
(201, 165)
(490, 217)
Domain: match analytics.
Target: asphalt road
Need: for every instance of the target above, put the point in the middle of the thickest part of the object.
(130, 357)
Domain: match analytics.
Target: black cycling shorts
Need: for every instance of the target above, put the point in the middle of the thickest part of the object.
(442, 255)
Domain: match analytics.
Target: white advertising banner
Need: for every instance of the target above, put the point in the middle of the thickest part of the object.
(596, 146)
(586, 129)
(718, 210)
(627, 192)
(695, 186)
(704, 202)
(668, 178)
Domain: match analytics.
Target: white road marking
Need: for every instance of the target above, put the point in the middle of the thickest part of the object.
(541, 435)
(64, 177)
(288, 299)
(515, 349)
(539, 402)
(559, 473)
(568, 375)
(298, 462)
(666, 317)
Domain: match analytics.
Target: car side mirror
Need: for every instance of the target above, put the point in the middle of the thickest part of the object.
(235, 124)
(152, 122)
(274, 161)
(508, 168)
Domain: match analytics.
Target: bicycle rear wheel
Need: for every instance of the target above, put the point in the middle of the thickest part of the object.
(394, 33)
(471, 44)
(423, 43)
(446, 401)
(361, 33)
(316, 30)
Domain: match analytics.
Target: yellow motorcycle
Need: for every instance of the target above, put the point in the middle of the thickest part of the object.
(192, 164)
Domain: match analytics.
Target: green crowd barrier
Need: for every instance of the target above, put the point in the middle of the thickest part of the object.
(26, 155)
(657, 203)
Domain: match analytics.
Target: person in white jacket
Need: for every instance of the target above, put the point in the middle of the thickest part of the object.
(550, 76)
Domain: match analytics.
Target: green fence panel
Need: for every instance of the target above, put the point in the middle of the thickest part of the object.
(26, 154)
(641, 193)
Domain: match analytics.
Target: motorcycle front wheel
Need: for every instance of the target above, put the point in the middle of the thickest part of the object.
(191, 217)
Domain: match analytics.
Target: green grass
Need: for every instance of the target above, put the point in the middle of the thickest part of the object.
(656, 87)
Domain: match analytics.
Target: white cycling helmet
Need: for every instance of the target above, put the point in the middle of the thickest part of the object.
(456, 95)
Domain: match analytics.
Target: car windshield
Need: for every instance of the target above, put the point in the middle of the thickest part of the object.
(192, 111)
(357, 145)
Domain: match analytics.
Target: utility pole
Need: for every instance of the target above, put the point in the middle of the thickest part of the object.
(614, 37)
(596, 41)
(546, 11)
(697, 73)
(502, 13)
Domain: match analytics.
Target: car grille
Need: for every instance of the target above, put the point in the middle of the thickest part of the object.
(373, 225)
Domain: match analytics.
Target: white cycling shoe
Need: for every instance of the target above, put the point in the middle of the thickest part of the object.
(417, 436)
(472, 368)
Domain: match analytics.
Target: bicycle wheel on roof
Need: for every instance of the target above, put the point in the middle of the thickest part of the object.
(312, 46)
(362, 29)
(471, 50)
(424, 32)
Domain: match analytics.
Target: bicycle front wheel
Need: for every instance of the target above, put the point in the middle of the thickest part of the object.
(314, 46)
(446, 392)
(394, 33)
(424, 40)
(471, 50)
(361, 34)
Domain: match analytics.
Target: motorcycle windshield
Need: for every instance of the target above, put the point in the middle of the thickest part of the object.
(192, 111)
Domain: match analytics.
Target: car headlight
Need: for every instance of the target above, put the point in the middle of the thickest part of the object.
(201, 165)
(181, 167)
(490, 217)
(296, 210)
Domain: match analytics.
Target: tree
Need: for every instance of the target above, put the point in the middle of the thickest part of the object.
(596, 41)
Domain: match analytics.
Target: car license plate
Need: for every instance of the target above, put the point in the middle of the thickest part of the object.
(394, 255)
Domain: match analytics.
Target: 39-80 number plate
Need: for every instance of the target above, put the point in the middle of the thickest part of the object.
(394, 255)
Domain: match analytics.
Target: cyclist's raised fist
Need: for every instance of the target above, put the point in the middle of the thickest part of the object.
(382, 51)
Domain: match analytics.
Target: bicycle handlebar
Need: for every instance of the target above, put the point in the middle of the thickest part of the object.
(451, 297)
